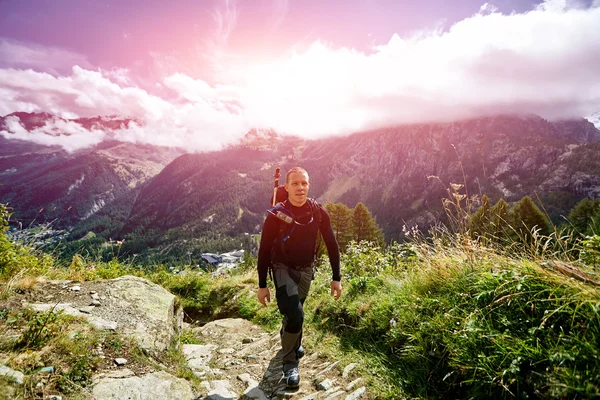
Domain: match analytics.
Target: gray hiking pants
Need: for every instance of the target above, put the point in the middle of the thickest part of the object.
(292, 287)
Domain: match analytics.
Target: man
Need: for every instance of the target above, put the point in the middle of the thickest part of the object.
(287, 245)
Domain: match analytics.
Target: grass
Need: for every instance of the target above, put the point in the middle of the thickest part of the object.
(444, 317)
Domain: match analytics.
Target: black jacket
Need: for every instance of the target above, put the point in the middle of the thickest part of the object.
(298, 249)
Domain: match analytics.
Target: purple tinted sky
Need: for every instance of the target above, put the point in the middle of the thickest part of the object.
(117, 33)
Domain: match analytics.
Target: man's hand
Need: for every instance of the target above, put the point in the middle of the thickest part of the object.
(336, 289)
(263, 293)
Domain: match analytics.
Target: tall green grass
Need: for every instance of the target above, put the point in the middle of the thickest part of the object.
(467, 322)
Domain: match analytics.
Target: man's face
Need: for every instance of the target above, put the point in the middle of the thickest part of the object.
(297, 188)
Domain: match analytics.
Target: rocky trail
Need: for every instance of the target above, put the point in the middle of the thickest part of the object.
(233, 358)
(239, 357)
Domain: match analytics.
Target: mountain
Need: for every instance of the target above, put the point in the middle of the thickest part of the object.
(93, 187)
(391, 170)
(595, 119)
(401, 173)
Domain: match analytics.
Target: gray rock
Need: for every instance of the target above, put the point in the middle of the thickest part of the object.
(95, 303)
(221, 390)
(353, 384)
(75, 288)
(246, 378)
(157, 385)
(329, 368)
(13, 375)
(331, 390)
(97, 322)
(335, 395)
(95, 296)
(198, 355)
(156, 321)
(247, 340)
(325, 384)
(87, 310)
(348, 369)
(254, 392)
(54, 397)
(356, 394)
(120, 361)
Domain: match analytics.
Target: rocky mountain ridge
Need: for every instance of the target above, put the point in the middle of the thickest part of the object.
(96, 183)
(400, 173)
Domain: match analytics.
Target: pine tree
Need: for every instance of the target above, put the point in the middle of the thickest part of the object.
(584, 217)
(499, 228)
(364, 225)
(526, 216)
(480, 222)
(341, 221)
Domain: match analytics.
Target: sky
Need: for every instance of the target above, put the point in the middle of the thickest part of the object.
(200, 74)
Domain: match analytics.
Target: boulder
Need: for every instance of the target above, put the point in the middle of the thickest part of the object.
(157, 385)
(149, 314)
(132, 306)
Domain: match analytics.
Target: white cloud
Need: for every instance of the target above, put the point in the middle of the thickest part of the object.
(543, 61)
(55, 60)
(56, 132)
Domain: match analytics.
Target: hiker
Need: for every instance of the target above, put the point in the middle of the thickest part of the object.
(287, 247)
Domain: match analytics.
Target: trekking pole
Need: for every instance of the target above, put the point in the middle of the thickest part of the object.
(275, 186)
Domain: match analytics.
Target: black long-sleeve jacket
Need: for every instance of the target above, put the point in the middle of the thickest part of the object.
(299, 247)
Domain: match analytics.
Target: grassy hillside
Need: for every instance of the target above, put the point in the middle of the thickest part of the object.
(439, 318)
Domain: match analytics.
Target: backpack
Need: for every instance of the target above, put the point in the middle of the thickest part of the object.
(286, 220)
(280, 196)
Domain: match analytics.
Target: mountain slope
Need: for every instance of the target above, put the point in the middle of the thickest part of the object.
(390, 170)
(95, 186)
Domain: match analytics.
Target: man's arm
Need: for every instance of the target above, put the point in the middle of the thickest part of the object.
(332, 246)
(267, 238)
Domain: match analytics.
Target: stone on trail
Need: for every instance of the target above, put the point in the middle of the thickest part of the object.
(348, 369)
(325, 384)
(335, 395)
(356, 394)
(353, 384)
(254, 392)
(11, 374)
(221, 390)
(120, 361)
(157, 385)
(198, 355)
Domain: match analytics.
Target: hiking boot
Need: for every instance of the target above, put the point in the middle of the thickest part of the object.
(292, 378)
(300, 352)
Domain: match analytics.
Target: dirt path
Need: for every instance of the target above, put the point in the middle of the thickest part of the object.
(237, 356)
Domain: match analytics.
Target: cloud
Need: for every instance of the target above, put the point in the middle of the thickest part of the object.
(225, 17)
(54, 60)
(543, 61)
(55, 132)
(204, 118)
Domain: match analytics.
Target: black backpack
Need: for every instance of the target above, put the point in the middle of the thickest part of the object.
(286, 220)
